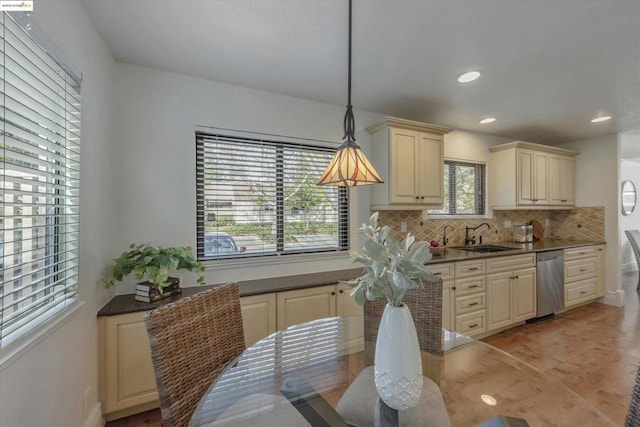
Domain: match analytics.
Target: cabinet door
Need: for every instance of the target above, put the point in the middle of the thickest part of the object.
(499, 312)
(345, 304)
(601, 289)
(431, 169)
(540, 182)
(532, 173)
(403, 163)
(304, 305)
(523, 291)
(448, 300)
(525, 176)
(561, 180)
(258, 317)
(128, 378)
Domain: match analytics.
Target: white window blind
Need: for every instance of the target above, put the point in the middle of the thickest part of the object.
(257, 196)
(40, 167)
(464, 189)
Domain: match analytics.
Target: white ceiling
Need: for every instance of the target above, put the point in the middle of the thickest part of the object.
(548, 66)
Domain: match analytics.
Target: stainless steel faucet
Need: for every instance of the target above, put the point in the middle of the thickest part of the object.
(471, 240)
(444, 236)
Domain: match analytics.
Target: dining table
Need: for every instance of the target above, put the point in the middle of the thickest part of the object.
(296, 376)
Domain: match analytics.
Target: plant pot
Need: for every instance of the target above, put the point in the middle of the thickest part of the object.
(398, 365)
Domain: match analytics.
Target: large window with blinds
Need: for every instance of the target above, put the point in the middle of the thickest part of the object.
(464, 188)
(39, 182)
(257, 196)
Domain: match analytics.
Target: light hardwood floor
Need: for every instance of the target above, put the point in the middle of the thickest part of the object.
(594, 350)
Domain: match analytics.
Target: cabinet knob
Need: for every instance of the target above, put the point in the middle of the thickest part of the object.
(471, 304)
(333, 293)
(473, 286)
(475, 325)
(417, 197)
(472, 269)
(422, 197)
(563, 200)
(341, 291)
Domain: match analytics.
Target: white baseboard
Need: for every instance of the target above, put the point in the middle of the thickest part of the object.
(629, 267)
(95, 418)
(615, 298)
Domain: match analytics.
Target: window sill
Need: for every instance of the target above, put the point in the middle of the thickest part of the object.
(17, 346)
(278, 260)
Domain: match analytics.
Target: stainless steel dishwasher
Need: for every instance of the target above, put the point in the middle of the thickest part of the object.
(550, 282)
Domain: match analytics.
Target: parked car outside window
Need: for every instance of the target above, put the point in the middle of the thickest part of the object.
(220, 243)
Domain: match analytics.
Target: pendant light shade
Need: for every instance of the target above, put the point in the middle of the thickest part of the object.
(349, 167)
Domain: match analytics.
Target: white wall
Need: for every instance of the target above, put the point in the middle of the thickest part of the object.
(43, 385)
(629, 170)
(597, 184)
(155, 117)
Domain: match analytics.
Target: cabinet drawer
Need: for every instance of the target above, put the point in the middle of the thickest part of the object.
(470, 285)
(581, 291)
(580, 269)
(444, 271)
(508, 263)
(470, 303)
(472, 323)
(469, 268)
(580, 252)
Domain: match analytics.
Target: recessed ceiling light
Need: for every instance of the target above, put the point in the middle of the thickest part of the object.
(468, 77)
(487, 120)
(489, 400)
(600, 119)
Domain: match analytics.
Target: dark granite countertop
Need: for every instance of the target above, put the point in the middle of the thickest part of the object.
(122, 304)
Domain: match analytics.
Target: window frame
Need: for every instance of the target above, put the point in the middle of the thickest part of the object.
(41, 200)
(280, 142)
(480, 200)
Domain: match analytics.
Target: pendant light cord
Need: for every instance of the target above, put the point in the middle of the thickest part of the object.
(349, 121)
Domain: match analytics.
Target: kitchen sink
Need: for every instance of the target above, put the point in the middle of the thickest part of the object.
(483, 248)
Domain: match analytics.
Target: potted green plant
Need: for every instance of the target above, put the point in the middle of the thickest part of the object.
(154, 264)
(391, 268)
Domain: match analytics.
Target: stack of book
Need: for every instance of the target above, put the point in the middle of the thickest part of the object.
(148, 292)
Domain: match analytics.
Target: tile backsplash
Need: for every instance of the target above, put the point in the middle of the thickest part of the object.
(584, 223)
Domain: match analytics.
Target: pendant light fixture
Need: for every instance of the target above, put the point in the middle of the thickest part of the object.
(349, 166)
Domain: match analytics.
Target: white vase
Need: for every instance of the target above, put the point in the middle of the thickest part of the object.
(397, 365)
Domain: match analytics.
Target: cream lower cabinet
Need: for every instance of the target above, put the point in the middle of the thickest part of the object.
(511, 290)
(127, 379)
(470, 297)
(511, 297)
(446, 272)
(318, 302)
(601, 289)
(581, 275)
(258, 316)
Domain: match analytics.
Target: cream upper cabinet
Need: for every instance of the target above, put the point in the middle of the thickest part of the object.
(532, 176)
(562, 180)
(410, 158)
(533, 171)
